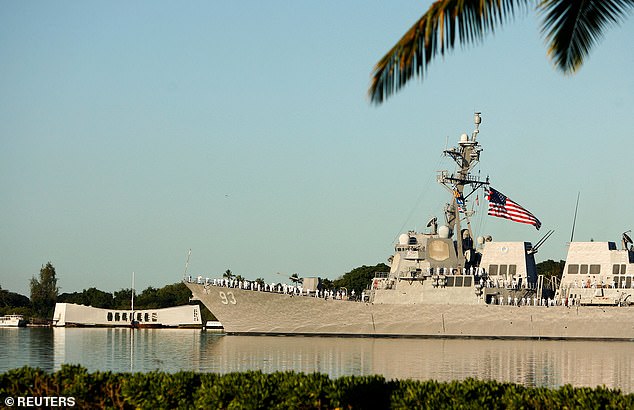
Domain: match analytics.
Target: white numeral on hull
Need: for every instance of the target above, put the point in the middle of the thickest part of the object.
(227, 298)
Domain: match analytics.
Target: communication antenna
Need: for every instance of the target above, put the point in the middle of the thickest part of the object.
(574, 221)
(187, 263)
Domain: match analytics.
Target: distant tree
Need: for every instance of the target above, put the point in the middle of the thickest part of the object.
(173, 295)
(148, 299)
(122, 299)
(99, 298)
(74, 297)
(228, 274)
(44, 291)
(358, 279)
(550, 268)
(327, 284)
(12, 300)
(296, 279)
(260, 281)
(89, 297)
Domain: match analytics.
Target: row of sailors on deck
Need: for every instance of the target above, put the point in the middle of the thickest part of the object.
(505, 283)
(525, 301)
(594, 284)
(275, 287)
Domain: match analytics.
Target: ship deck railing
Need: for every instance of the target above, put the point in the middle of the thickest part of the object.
(281, 288)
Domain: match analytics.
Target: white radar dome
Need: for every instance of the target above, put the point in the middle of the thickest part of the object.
(444, 231)
(403, 239)
(464, 138)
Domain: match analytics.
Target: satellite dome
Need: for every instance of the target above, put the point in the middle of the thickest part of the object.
(464, 138)
(480, 240)
(403, 239)
(444, 231)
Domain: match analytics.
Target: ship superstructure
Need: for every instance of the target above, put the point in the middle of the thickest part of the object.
(598, 273)
(446, 264)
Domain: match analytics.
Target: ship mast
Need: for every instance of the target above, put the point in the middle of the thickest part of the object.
(466, 156)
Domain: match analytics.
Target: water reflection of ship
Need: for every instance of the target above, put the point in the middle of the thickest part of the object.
(550, 363)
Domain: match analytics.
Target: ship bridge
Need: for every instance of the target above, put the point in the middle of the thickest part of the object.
(511, 264)
(598, 264)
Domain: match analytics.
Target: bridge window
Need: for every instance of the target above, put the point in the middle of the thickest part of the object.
(109, 316)
(117, 317)
(467, 281)
(458, 281)
(450, 281)
(573, 269)
(584, 269)
(503, 269)
(493, 270)
(512, 269)
(595, 269)
(124, 316)
(618, 269)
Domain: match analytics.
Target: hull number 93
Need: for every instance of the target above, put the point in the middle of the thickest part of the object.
(227, 298)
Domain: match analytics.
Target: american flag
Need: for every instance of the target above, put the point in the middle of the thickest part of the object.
(501, 206)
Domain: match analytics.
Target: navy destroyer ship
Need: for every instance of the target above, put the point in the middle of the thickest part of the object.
(447, 282)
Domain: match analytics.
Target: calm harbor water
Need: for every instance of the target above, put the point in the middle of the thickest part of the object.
(529, 362)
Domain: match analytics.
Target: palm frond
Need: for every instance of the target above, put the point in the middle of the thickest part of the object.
(572, 27)
(444, 23)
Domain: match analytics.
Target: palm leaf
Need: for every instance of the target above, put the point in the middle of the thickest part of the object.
(572, 27)
(446, 21)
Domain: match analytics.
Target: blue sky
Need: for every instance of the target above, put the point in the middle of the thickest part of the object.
(132, 132)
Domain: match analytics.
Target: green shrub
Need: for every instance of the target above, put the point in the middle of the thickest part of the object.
(290, 390)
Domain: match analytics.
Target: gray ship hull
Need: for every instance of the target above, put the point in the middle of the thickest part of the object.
(253, 312)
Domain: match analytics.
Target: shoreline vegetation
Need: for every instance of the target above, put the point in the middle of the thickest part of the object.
(255, 389)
